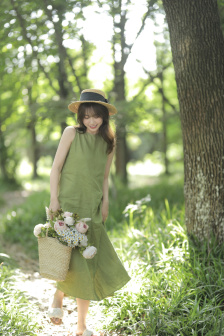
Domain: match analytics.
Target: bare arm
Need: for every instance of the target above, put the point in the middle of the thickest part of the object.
(105, 203)
(60, 156)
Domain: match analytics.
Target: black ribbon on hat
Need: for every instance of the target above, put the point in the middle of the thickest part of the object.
(92, 96)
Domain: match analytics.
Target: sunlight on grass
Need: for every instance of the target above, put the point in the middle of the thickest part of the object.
(165, 295)
(17, 315)
(44, 166)
(176, 285)
(145, 168)
(36, 185)
(24, 169)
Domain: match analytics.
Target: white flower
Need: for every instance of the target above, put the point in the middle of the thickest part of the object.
(69, 221)
(47, 225)
(37, 229)
(75, 242)
(67, 214)
(47, 213)
(84, 241)
(89, 252)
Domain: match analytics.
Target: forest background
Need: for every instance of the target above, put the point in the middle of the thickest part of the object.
(50, 52)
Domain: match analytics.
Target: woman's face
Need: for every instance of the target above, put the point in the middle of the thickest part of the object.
(92, 121)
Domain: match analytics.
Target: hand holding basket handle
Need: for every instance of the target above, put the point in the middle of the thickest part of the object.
(53, 207)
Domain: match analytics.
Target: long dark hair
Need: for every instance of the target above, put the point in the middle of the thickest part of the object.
(105, 130)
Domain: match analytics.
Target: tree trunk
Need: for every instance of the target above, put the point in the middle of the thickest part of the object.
(164, 120)
(198, 56)
(119, 90)
(3, 157)
(121, 146)
(32, 127)
(35, 149)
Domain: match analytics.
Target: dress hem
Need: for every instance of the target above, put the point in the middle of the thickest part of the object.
(108, 295)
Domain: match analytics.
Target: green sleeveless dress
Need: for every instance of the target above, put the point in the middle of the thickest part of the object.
(80, 191)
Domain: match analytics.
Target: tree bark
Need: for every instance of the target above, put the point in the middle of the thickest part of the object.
(3, 157)
(119, 10)
(164, 121)
(198, 48)
(119, 91)
(121, 146)
(32, 128)
(35, 151)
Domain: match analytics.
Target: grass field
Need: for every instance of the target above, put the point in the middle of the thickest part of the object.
(177, 285)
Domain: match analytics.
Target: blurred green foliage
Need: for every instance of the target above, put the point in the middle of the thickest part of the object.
(17, 224)
(45, 63)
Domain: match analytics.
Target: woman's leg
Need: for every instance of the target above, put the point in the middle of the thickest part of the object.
(57, 303)
(83, 306)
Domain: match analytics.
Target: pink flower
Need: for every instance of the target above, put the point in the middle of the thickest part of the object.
(67, 214)
(89, 252)
(60, 225)
(81, 227)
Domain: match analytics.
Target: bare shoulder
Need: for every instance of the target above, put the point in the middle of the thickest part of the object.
(70, 130)
(69, 133)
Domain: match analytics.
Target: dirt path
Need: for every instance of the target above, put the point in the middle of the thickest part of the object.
(12, 198)
(40, 290)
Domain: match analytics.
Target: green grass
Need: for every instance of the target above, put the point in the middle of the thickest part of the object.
(16, 313)
(18, 223)
(177, 284)
(8, 185)
(170, 188)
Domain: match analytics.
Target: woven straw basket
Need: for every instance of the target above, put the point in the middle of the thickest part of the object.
(54, 258)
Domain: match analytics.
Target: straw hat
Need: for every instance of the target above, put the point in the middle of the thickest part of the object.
(92, 96)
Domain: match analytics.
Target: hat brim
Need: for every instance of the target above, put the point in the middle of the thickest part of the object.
(75, 106)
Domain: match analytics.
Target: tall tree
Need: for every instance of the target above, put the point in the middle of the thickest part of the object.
(119, 11)
(37, 33)
(10, 93)
(158, 78)
(198, 47)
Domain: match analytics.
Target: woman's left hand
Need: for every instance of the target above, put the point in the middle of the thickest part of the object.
(105, 209)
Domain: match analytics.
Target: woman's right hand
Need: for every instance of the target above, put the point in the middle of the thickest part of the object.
(54, 205)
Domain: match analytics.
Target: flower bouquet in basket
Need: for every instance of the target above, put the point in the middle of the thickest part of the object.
(56, 238)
